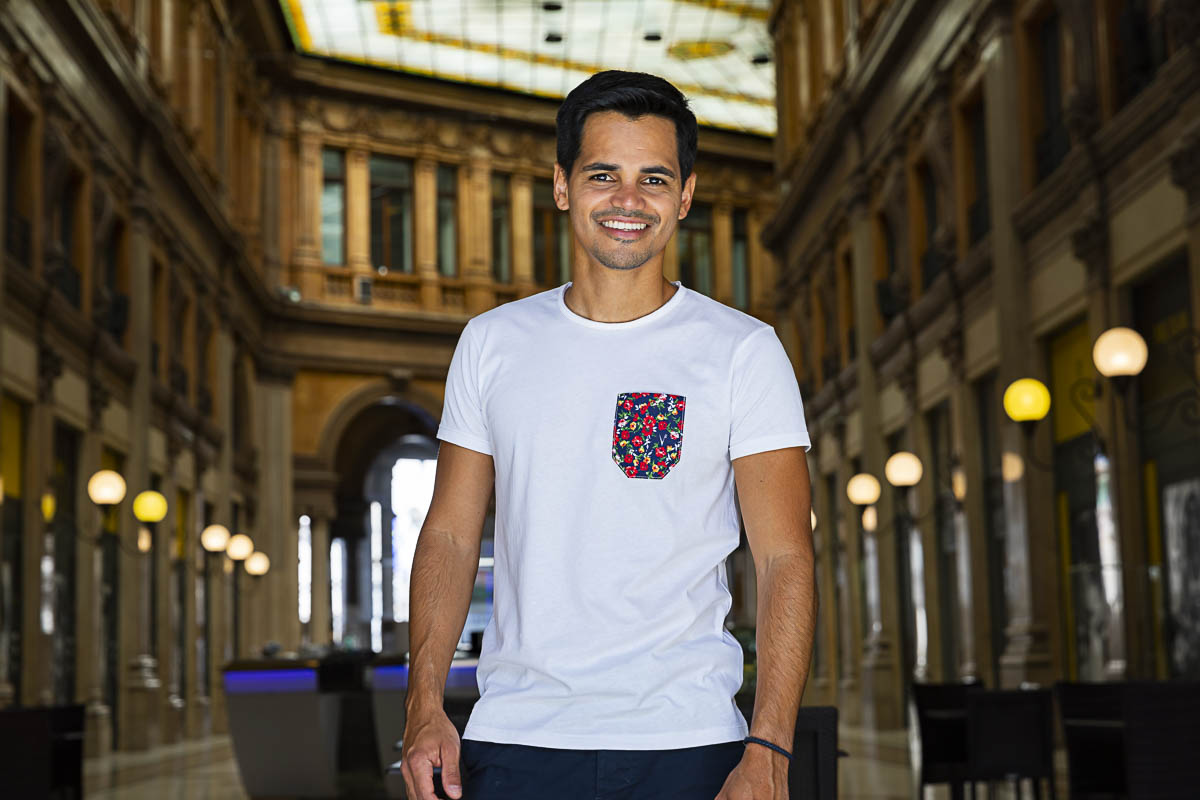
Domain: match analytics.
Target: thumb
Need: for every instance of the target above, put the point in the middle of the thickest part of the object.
(451, 780)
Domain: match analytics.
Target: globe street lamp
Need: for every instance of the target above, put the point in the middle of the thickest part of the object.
(106, 488)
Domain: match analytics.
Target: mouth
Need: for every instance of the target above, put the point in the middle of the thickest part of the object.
(625, 230)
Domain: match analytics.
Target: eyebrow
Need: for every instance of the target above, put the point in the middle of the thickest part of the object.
(597, 166)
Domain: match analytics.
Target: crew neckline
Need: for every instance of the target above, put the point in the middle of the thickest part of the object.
(646, 319)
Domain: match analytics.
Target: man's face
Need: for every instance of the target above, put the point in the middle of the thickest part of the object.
(625, 194)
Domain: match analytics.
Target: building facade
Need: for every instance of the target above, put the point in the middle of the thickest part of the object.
(236, 276)
(970, 194)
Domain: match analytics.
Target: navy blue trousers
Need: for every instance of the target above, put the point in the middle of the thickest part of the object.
(493, 771)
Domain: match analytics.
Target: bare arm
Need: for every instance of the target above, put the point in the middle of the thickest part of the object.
(773, 491)
(444, 567)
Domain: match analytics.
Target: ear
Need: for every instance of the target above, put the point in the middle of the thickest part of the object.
(685, 200)
(560, 188)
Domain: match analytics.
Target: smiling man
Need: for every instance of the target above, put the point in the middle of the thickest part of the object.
(614, 416)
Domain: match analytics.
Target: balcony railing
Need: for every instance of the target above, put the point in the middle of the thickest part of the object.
(177, 378)
(932, 265)
(1051, 148)
(65, 278)
(890, 304)
(16, 238)
(118, 315)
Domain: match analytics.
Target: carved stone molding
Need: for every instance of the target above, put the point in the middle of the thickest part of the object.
(954, 351)
(98, 399)
(50, 368)
(1089, 243)
(1185, 167)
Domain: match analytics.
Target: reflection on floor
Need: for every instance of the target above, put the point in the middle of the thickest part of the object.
(876, 769)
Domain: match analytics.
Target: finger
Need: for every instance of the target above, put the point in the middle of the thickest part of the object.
(422, 770)
(451, 779)
(409, 791)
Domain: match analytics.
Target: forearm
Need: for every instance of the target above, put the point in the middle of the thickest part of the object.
(443, 575)
(787, 610)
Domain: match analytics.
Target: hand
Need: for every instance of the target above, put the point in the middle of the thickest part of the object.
(762, 774)
(430, 740)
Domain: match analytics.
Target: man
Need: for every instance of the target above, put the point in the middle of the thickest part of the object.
(606, 671)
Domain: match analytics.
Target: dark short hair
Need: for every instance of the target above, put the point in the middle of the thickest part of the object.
(634, 94)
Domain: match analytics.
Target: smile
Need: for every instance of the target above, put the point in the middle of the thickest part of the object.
(624, 226)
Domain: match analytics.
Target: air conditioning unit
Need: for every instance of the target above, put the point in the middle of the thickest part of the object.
(362, 289)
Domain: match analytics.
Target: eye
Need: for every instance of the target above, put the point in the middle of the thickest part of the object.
(659, 180)
(599, 175)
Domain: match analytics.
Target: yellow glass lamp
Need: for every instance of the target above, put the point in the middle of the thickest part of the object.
(1012, 467)
(1027, 400)
(958, 482)
(145, 540)
(903, 469)
(258, 564)
(1119, 352)
(106, 488)
(240, 547)
(863, 489)
(49, 506)
(149, 507)
(870, 519)
(214, 538)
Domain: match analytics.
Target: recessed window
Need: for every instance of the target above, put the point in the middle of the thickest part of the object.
(333, 207)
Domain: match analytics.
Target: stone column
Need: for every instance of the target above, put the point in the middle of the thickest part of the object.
(275, 523)
(758, 262)
(139, 689)
(174, 703)
(358, 211)
(849, 613)
(222, 648)
(881, 681)
(922, 500)
(970, 529)
(722, 260)
(1185, 173)
(475, 194)
(307, 254)
(521, 202)
(425, 232)
(91, 650)
(320, 621)
(37, 686)
(1027, 655)
(272, 143)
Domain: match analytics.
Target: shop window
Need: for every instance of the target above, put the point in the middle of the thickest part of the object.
(501, 229)
(447, 222)
(333, 208)
(391, 214)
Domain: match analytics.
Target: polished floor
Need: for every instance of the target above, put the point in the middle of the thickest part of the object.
(877, 768)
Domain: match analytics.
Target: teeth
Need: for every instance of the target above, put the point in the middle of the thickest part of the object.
(624, 226)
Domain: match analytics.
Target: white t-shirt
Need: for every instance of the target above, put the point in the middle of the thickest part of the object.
(613, 522)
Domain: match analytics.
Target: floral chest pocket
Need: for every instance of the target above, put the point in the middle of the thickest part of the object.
(648, 433)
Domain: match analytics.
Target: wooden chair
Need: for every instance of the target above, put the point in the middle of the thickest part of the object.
(1010, 737)
(1094, 734)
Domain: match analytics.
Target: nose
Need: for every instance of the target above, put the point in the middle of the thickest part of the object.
(627, 196)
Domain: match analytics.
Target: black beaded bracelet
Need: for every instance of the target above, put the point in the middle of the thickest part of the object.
(765, 743)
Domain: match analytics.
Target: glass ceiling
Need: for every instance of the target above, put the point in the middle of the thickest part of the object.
(718, 52)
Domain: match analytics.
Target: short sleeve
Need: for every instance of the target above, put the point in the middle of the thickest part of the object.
(463, 422)
(767, 411)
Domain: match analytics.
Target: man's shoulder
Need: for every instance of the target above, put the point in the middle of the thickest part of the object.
(725, 321)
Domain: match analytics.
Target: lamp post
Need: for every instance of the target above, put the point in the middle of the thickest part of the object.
(863, 491)
(149, 508)
(239, 548)
(106, 488)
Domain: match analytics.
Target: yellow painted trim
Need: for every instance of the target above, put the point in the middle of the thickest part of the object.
(732, 7)
(1064, 561)
(12, 456)
(510, 53)
(301, 26)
